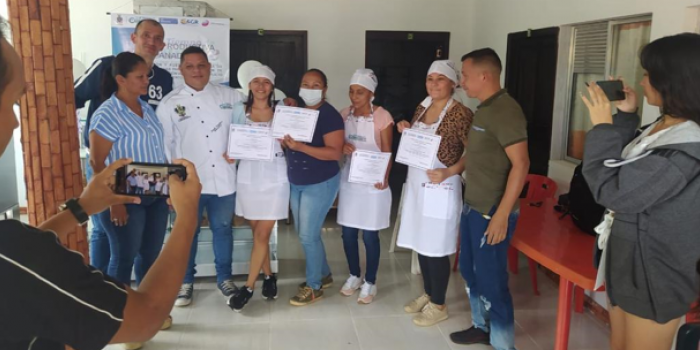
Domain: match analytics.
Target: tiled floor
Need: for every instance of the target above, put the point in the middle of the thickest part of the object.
(338, 322)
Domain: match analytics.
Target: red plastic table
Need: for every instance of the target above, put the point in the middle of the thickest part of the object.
(560, 246)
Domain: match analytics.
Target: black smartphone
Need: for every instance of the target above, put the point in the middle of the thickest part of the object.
(147, 179)
(612, 89)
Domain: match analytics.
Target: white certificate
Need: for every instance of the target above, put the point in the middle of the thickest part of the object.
(251, 143)
(368, 167)
(418, 149)
(299, 123)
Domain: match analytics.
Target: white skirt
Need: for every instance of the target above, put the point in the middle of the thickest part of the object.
(262, 190)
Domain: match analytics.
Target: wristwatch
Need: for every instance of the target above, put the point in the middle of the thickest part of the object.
(75, 209)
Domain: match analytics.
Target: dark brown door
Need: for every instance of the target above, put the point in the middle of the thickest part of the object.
(531, 68)
(401, 61)
(283, 51)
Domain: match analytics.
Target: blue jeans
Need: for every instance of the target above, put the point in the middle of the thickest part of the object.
(99, 242)
(484, 269)
(310, 205)
(136, 245)
(220, 212)
(352, 252)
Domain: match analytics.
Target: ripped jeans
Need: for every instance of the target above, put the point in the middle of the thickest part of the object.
(483, 267)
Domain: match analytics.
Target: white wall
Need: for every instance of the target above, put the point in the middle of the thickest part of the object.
(336, 28)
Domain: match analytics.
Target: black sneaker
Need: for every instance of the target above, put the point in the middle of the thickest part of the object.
(269, 288)
(238, 301)
(472, 335)
(228, 288)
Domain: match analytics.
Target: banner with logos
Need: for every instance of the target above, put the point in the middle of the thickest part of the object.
(211, 34)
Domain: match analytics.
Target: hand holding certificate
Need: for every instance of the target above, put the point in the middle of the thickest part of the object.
(368, 167)
(250, 143)
(298, 123)
(418, 149)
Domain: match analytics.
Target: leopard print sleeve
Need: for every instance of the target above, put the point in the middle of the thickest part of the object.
(454, 129)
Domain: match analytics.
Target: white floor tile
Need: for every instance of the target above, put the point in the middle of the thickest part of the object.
(398, 333)
(338, 322)
(333, 334)
(585, 332)
(225, 337)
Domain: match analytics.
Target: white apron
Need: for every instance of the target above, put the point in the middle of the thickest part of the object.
(362, 206)
(263, 186)
(430, 227)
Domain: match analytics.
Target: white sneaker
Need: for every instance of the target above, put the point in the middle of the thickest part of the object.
(352, 284)
(367, 293)
(184, 298)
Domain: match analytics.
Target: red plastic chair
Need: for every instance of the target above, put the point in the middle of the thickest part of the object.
(538, 188)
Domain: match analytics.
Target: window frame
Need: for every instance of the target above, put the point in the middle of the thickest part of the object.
(563, 140)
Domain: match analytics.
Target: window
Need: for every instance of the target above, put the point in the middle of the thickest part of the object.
(602, 49)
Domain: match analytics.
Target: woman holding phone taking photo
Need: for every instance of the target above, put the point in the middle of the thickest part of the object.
(126, 127)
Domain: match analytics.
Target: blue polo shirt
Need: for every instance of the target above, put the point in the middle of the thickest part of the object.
(89, 88)
(304, 169)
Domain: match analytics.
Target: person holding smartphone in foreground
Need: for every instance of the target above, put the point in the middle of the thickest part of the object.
(57, 300)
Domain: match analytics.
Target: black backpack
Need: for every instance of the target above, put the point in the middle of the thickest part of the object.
(580, 204)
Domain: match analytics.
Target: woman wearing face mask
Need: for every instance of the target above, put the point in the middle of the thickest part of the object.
(650, 183)
(263, 187)
(314, 176)
(362, 206)
(434, 237)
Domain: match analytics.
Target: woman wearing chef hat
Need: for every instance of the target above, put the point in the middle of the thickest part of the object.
(433, 233)
(263, 187)
(365, 207)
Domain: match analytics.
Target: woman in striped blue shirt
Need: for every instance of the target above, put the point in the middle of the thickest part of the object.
(126, 127)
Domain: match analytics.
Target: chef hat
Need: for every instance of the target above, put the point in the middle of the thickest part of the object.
(446, 68)
(365, 78)
(262, 72)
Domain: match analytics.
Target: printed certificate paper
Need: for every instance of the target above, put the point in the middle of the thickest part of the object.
(251, 143)
(368, 167)
(418, 149)
(299, 123)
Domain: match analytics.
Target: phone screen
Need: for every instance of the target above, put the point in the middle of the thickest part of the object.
(147, 179)
(612, 89)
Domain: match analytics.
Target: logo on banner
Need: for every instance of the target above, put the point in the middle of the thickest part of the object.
(168, 20)
(137, 19)
(120, 20)
(189, 21)
(205, 23)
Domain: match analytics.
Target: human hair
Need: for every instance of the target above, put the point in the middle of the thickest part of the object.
(148, 20)
(485, 56)
(672, 64)
(193, 50)
(123, 64)
(324, 78)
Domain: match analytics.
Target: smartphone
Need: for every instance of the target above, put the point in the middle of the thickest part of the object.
(147, 179)
(612, 89)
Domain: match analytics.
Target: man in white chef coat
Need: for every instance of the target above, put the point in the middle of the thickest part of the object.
(196, 118)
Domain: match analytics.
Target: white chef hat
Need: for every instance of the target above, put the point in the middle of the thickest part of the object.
(262, 72)
(365, 78)
(446, 68)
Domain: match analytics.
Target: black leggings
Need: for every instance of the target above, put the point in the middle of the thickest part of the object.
(436, 276)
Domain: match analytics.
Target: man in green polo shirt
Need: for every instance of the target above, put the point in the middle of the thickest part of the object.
(496, 164)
